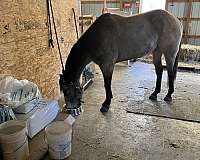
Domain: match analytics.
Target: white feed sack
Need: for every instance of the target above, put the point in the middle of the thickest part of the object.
(39, 117)
(18, 92)
(26, 101)
(21, 95)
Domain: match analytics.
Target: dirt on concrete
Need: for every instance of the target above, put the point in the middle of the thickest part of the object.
(118, 135)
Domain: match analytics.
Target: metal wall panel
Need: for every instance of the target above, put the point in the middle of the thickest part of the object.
(91, 8)
(95, 8)
(195, 28)
(194, 41)
(195, 24)
(180, 10)
(177, 9)
(113, 5)
(196, 9)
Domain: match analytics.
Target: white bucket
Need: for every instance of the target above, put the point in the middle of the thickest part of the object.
(58, 136)
(13, 140)
(21, 154)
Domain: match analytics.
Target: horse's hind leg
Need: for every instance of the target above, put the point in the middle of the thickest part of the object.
(107, 71)
(159, 70)
(172, 64)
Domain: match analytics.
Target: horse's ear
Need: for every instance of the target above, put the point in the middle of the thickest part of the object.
(61, 82)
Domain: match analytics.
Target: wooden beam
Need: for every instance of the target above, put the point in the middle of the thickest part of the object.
(121, 5)
(189, 18)
(166, 5)
(191, 36)
(189, 14)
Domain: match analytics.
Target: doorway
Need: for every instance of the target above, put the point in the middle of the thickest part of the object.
(148, 5)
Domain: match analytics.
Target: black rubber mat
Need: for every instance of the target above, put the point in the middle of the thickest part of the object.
(189, 111)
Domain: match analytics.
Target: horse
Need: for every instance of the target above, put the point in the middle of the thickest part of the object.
(112, 39)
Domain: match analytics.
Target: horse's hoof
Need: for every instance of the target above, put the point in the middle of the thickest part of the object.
(153, 97)
(104, 109)
(168, 99)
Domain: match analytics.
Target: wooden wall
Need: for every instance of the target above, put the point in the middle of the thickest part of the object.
(24, 48)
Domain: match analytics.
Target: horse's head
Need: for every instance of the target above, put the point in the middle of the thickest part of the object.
(72, 92)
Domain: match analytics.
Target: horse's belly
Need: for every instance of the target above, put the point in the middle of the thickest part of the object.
(134, 51)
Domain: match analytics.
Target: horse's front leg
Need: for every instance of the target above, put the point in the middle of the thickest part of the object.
(107, 70)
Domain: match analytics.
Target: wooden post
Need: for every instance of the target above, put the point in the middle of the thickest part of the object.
(188, 21)
(105, 4)
(166, 5)
(105, 10)
(140, 7)
(121, 5)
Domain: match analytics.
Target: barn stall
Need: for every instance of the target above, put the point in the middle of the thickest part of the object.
(134, 127)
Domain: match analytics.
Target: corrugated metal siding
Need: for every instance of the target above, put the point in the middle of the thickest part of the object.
(91, 8)
(196, 9)
(179, 9)
(194, 41)
(113, 5)
(195, 28)
(195, 25)
(95, 8)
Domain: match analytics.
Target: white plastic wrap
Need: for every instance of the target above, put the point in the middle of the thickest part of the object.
(15, 92)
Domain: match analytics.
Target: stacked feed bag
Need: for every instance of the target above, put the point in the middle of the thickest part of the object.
(39, 117)
(24, 98)
(20, 95)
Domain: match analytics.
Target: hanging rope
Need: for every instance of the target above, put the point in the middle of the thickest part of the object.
(50, 30)
(51, 40)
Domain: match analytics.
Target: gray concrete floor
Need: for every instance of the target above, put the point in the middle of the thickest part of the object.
(118, 135)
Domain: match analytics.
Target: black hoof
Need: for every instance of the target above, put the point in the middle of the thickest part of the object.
(153, 97)
(168, 99)
(104, 109)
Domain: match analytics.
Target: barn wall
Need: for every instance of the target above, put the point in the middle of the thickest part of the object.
(95, 7)
(189, 18)
(24, 49)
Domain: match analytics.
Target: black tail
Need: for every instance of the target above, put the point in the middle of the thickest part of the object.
(175, 67)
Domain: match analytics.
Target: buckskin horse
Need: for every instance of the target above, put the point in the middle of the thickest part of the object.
(112, 39)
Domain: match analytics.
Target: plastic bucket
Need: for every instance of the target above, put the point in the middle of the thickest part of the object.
(58, 137)
(21, 154)
(13, 140)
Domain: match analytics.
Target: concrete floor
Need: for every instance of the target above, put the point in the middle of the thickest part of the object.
(121, 135)
(118, 135)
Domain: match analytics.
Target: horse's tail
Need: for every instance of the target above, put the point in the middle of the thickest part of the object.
(175, 67)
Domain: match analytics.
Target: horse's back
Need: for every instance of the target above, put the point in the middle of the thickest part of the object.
(143, 33)
(121, 38)
(168, 26)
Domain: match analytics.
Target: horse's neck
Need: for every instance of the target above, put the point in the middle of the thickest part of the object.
(75, 64)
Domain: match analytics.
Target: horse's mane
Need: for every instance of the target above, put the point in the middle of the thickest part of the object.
(80, 47)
